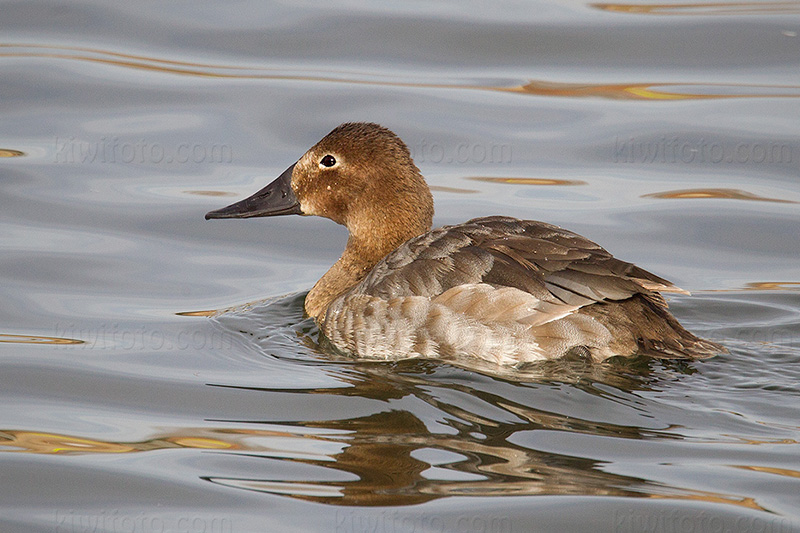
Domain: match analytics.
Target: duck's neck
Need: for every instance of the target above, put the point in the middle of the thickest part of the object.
(356, 261)
(366, 246)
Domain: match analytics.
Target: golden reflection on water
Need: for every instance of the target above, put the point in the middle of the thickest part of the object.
(7, 152)
(215, 312)
(383, 454)
(208, 312)
(772, 286)
(29, 339)
(627, 91)
(211, 193)
(527, 181)
(189, 438)
(378, 451)
(657, 91)
(731, 194)
(236, 308)
(455, 190)
(51, 443)
(763, 286)
(786, 472)
(721, 8)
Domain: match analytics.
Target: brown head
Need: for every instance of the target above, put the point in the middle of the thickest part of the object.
(360, 175)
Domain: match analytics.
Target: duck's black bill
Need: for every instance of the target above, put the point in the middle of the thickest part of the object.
(275, 199)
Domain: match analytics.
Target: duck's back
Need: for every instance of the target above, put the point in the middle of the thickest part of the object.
(508, 291)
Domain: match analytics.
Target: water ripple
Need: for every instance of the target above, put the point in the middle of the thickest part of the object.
(730, 194)
(616, 91)
(704, 9)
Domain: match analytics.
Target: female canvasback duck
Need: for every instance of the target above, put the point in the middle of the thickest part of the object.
(499, 289)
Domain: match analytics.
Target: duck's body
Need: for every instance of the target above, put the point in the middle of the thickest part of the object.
(499, 289)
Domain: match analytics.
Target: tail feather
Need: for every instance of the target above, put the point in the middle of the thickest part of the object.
(640, 325)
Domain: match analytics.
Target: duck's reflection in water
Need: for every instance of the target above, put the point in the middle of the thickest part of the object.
(424, 431)
(394, 457)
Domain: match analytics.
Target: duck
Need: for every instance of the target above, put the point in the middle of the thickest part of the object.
(495, 289)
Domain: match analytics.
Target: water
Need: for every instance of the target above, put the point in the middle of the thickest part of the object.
(666, 132)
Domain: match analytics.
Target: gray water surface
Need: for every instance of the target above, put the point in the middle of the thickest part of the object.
(669, 133)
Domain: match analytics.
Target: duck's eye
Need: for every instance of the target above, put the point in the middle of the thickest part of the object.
(327, 161)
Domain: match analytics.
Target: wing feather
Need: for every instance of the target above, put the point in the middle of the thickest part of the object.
(469, 267)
